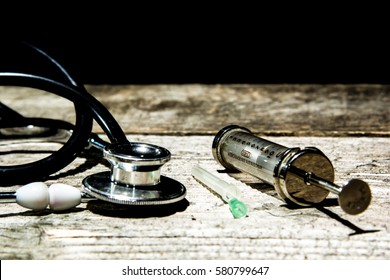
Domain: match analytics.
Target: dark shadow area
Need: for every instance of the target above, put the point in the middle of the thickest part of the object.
(263, 187)
(248, 180)
(108, 209)
(329, 202)
(41, 213)
(26, 152)
(228, 171)
(330, 214)
(92, 157)
(356, 229)
(169, 57)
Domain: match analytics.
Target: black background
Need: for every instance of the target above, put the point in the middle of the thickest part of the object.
(198, 47)
(223, 60)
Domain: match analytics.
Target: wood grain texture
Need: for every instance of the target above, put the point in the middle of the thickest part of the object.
(201, 226)
(318, 110)
(184, 118)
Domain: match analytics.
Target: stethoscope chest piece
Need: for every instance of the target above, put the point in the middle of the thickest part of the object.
(135, 177)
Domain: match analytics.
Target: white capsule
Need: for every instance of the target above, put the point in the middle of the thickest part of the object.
(63, 197)
(34, 196)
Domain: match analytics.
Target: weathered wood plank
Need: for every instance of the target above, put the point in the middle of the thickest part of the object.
(317, 110)
(202, 227)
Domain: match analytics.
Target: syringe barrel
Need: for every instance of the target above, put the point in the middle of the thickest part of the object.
(300, 176)
(235, 147)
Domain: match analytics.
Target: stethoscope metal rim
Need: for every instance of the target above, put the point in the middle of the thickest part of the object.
(99, 185)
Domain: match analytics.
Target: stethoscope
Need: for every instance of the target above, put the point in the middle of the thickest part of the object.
(135, 176)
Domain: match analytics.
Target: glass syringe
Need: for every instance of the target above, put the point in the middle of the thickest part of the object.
(300, 176)
(228, 192)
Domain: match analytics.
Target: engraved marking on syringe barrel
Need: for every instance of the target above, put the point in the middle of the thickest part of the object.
(246, 154)
(264, 149)
(230, 154)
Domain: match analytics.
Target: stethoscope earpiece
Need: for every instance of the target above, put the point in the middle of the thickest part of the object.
(37, 196)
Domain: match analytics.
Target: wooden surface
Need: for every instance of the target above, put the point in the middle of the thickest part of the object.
(294, 110)
(350, 124)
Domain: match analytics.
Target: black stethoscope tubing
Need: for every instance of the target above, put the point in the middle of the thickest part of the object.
(87, 108)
